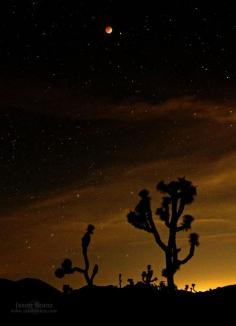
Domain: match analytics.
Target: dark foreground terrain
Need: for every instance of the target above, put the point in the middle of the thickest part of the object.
(32, 298)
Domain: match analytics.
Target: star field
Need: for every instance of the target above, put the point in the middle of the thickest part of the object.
(151, 44)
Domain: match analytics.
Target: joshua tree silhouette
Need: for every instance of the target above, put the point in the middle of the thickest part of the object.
(186, 287)
(147, 276)
(120, 280)
(193, 287)
(162, 286)
(178, 194)
(130, 282)
(66, 266)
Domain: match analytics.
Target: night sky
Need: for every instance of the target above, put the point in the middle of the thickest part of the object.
(87, 119)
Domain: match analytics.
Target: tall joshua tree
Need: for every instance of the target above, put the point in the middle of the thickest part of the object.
(66, 266)
(177, 194)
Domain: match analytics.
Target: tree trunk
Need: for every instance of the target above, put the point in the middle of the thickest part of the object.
(169, 272)
(170, 282)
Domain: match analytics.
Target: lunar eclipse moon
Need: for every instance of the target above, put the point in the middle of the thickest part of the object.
(108, 29)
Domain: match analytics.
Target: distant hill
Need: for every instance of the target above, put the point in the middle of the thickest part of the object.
(17, 296)
(32, 297)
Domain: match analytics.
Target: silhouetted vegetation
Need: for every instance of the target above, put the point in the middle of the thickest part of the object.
(120, 280)
(135, 299)
(192, 289)
(67, 268)
(130, 282)
(178, 194)
(147, 276)
(147, 281)
(96, 303)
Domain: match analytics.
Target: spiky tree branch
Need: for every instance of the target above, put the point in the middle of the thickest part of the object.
(193, 240)
(142, 219)
(156, 234)
(66, 266)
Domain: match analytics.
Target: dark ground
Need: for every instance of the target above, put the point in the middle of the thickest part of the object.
(32, 299)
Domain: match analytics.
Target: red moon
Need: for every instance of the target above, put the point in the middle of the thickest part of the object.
(108, 29)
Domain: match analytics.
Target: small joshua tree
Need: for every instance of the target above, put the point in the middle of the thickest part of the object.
(162, 286)
(120, 280)
(130, 282)
(193, 287)
(66, 266)
(178, 194)
(147, 276)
